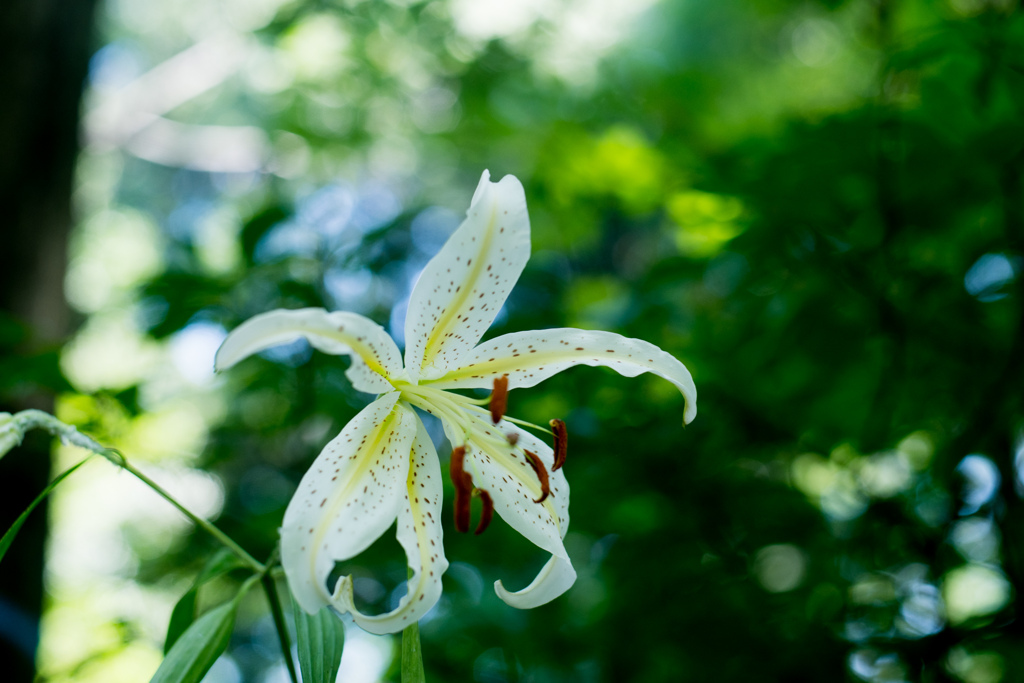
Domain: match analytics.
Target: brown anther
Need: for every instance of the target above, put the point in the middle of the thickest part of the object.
(486, 512)
(542, 475)
(463, 489)
(561, 443)
(513, 438)
(499, 399)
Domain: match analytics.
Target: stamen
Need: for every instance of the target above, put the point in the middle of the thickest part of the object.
(524, 423)
(499, 399)
(463, 489)
(513, 438)
(486, 512)
(542, 475)
(561, 443)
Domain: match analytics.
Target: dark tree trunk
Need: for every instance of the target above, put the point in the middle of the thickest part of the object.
(46, 48)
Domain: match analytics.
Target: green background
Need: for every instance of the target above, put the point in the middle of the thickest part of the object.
(817, 206)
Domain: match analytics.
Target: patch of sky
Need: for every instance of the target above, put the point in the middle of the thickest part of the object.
(286, 239)
(193, 348)
(376, 206)
(189, 184)
(326, 217)
(114, 66)
(431, 228)
(922, 611)
(292, 354)
(235, 184)
(870, 665)
(348, 290)
(328, 210)
(403, 276)
(185, 218)
(224, 670)
(981, 482)
(396, 323)
(988, 276)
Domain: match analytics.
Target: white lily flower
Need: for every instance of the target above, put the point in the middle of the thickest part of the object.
(383, 465)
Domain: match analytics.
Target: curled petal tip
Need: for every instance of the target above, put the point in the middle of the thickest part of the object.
(555, 578)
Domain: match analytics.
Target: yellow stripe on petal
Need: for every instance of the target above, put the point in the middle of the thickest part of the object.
(375, 358)
(464, 286)
(349, 497)
(529, 358)
(503, 470)
(419, 533)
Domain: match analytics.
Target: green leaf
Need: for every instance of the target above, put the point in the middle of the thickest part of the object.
(184, 612)
(412, 655)
(220, 563)
(8, 538)
(321, 638)
(199, 646)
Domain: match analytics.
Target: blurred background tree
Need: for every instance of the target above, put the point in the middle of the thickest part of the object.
(47, 45)
(817, 206)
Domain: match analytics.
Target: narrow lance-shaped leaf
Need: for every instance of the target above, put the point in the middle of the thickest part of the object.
(320, 638)
(184, 612)
(199, 646)
(8, 538)
(10, 436)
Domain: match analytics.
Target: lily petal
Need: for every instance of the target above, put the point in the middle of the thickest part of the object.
(349, 497)
(528, 358)
(556, 577)
(464, 286)
(419, 532)
(500, 468)
(375, 358)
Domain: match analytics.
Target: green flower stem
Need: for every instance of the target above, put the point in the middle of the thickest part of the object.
(270, 588)
(225, 540)
(412, 653)
(22, 422)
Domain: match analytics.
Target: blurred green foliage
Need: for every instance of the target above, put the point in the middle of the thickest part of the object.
(817, 206)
